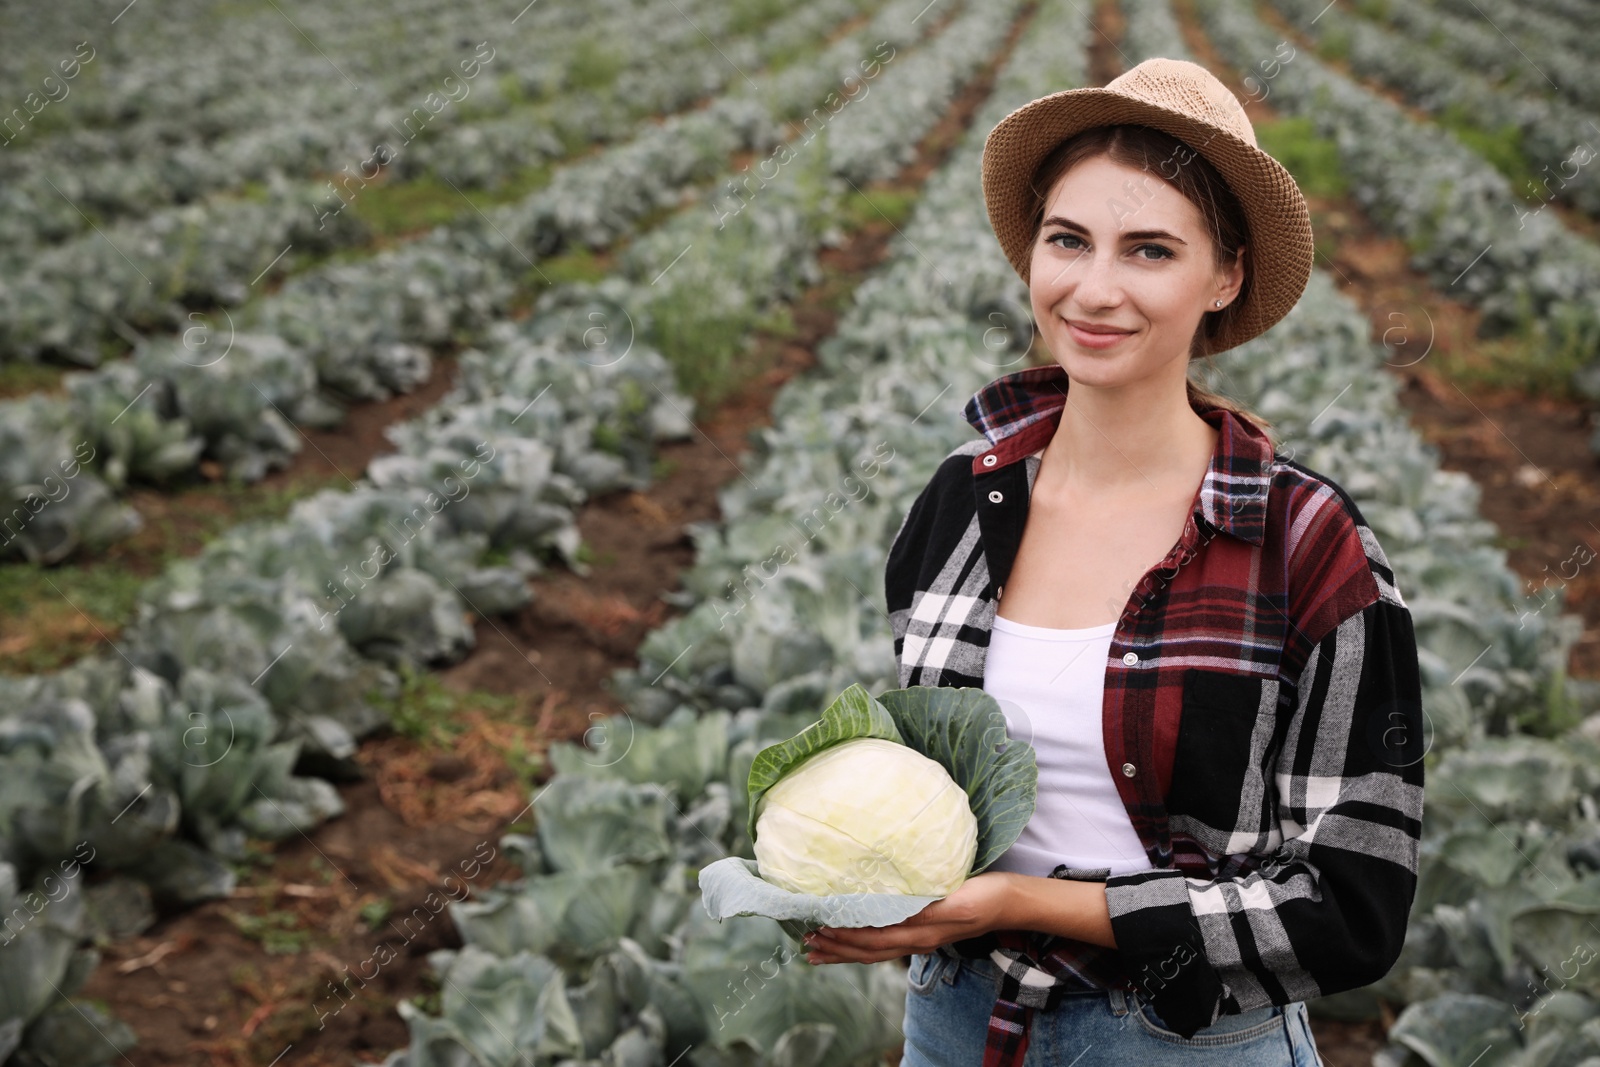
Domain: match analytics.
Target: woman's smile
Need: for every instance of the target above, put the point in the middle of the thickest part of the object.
(1092, 336)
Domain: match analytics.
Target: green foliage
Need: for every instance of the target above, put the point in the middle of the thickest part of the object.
(1539, 355)
(510, 87)
(594, 64)
(860, 208)
(1502, 148)
(279, 932)
(702, 340)
(633, 403)
(748, 15)
(433, 714)
(573, 265)
(1313, 160)
(374, 912)
(1333, 43)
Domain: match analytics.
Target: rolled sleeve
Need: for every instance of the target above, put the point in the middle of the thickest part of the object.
(1327, 911)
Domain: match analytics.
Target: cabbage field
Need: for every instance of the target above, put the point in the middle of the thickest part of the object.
(334, 339)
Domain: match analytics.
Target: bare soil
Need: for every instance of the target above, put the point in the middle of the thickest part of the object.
(204, 987)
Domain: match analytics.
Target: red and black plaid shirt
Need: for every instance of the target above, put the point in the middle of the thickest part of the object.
(1262, 722)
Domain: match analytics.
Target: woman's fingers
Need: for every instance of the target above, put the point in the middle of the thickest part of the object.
(869, 944)
(819, 956)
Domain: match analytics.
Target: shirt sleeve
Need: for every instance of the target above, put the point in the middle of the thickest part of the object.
(1328, 910)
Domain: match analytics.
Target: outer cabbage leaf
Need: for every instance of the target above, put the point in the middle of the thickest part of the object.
(964, 730)
(734, 886)
(853, 715)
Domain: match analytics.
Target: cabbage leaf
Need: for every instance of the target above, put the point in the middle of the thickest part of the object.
(963, 729)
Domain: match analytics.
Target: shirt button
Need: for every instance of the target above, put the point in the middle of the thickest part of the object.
(1130, 658)
(995, 496)
(1127, 770)
(990, 460)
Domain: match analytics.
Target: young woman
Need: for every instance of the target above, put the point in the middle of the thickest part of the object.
(1201, 638)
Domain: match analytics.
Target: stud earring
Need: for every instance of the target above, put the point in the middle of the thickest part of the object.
(1219, 303)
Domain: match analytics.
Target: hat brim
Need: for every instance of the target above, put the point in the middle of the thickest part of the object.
(1279, 254)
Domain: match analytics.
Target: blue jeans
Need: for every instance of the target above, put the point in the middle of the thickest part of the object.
(947, 1012)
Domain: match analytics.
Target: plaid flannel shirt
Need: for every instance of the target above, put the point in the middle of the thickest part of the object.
(1262, 721)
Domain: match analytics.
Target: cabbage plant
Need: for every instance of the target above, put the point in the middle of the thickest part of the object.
(909, 838)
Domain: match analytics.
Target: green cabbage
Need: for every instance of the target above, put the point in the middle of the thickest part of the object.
(867, 816)
(877, 809)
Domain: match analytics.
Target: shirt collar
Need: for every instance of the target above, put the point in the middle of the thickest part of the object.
(1019, 412)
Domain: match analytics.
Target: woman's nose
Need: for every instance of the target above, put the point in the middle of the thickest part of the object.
(1093, 280)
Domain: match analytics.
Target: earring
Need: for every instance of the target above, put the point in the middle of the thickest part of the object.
(1219, 303)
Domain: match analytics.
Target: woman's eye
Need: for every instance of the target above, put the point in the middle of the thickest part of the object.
(1163, 252)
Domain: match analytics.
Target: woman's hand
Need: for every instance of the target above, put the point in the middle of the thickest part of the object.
(982, 903)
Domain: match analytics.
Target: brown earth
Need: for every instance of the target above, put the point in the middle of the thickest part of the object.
(204, 986)
(1528, 453)
(201, 986)
(179, 518)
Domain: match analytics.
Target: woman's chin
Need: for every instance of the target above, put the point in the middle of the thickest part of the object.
(1094, 365)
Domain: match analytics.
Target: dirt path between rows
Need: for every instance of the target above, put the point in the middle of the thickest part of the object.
(1528, 454)
(202, 986)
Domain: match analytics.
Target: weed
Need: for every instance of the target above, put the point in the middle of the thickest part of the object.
(593, 65)
(374, 912)
(428, 713)
(279, 932)
(1313, 160)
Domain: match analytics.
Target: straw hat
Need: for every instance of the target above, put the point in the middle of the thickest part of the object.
(1187, 101)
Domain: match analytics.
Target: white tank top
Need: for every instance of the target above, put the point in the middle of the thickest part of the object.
(1051, 685)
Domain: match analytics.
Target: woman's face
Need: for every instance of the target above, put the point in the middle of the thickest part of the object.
(1121, 249)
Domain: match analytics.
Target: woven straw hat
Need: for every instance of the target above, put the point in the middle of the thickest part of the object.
(1185, 100)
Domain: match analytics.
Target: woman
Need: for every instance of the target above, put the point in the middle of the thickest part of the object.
(1230, 741)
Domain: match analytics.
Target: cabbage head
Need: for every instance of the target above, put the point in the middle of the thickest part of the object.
(868, 816)
(876, 810)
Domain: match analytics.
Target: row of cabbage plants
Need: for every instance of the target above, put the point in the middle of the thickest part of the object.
(1576, 12)
(275, 649)
(601, 952)
(1512, 745)
(1467, 229)
(1471, 40)
(236, 393)
(476, 131)
(131, 125)
(224, 85)
(1563, 64)
(1545, 130)
(1510, 832)
(785, 608)
(149, 53)
(82, 300)
(280, 644)
(1150, 28)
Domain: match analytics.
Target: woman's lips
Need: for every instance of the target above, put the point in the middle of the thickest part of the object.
(1089, 339)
